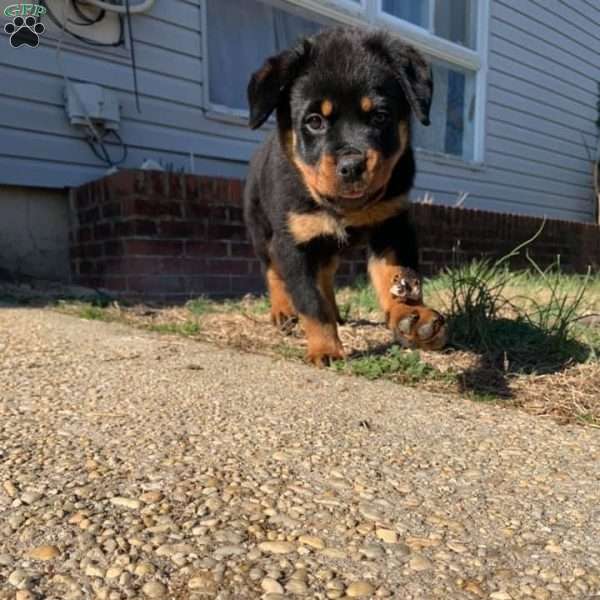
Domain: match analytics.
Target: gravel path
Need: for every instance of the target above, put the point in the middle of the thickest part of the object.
(139, 466)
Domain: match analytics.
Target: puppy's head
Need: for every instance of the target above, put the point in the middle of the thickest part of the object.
(343, 100)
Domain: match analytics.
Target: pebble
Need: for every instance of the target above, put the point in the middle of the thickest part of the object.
(373, 551)
(255, 574)
(312, 541)
(154, 589)
(387, 535)
(500, 596)
(172, 549)
(94, 571)
(277, 547)
(335, 553)
(203, 582)
(129, 503)
(419, 563)
(24, 595)
(151, 497)
(553, 548)
(271, 586)
(30, 497)
(229, 550)
(5, 560)
(10, 489)
(43, 553)
(457, 547)
(19, 579)
(113, 573)
(371, 513)
(360, 589)
(296, 586)
(143, 569)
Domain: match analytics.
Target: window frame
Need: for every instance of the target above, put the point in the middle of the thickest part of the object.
(369, 12)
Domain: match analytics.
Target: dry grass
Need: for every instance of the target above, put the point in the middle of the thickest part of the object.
(535, 346)
(563, 384)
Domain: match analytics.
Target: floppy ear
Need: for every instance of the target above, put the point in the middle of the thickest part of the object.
(268, 84)
(412, 72)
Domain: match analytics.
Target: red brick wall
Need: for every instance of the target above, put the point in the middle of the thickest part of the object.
(173, 236)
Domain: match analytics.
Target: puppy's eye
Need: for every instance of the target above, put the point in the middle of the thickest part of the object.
(380, 117)
(315, 123)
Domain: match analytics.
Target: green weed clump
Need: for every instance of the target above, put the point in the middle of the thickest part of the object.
(394, 362)
(525, 322)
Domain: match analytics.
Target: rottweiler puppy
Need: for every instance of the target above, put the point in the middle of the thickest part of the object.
(336, 172)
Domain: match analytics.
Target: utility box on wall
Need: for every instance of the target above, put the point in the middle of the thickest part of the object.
(85, 101)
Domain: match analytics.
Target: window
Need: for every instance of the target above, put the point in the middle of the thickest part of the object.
(240, 34)
(413, 11)
(235, 51)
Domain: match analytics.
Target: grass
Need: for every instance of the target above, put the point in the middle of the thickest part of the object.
(523, 338)
(394, 362)
(187, 328)
(524, 332)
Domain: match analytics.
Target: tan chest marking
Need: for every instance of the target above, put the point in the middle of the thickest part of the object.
(308, 226)
(377, 213)
(305, 227)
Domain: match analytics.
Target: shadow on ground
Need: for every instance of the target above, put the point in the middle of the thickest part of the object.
(506, 348)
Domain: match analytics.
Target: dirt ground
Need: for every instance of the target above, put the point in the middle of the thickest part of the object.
(566, 392)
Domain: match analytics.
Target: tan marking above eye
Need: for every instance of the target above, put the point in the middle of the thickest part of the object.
(326, 108)
(367, 104)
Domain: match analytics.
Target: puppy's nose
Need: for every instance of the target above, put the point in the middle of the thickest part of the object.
(351, 167)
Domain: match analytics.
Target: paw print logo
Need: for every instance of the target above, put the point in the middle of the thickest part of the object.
(24, 32)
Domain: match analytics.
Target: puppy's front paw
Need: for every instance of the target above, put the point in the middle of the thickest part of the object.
(322, 357)
(418, 327)
(407, 287)
(323, 343)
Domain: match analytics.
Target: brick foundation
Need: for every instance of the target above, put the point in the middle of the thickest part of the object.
(172, 236)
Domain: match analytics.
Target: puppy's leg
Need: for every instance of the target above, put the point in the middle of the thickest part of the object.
(393, 248)
(300, 271)
(260, 231)
(283, 314)
(326, 285)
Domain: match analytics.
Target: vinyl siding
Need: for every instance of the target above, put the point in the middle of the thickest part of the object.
(541, 106)
(39, 147)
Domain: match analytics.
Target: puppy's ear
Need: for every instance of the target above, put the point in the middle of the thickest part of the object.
(268, 85)
(411, 69)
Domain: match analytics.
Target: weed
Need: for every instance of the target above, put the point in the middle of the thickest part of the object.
(202, 306)
(395, 361)
(187, 328)
(289, 352)
(524, 333)
(93, 312)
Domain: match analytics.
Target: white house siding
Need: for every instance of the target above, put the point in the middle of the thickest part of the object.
(39, 147)
(544, 65)
(542, 91)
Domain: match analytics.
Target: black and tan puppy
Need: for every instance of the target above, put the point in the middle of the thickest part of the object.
(337, 173)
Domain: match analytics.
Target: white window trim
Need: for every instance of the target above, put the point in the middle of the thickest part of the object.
(352, 13)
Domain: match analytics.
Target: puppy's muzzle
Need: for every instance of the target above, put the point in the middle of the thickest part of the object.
(351, 167)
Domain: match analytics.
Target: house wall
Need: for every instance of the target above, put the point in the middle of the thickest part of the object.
(542, 91)
(34, 232)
